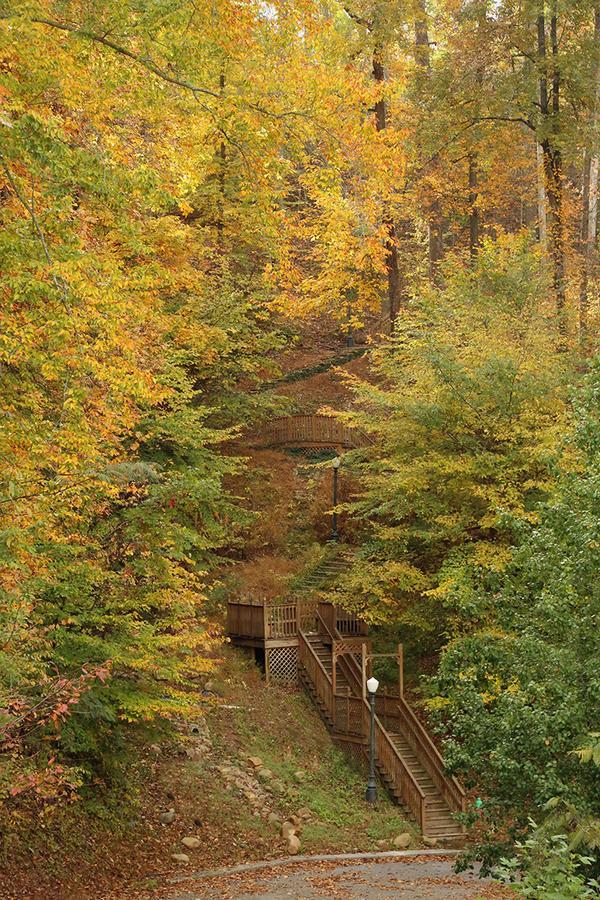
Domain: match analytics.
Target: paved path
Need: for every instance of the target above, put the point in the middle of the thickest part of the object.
(429, 878)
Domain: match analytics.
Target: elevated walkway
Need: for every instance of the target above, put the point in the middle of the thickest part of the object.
(314, 432)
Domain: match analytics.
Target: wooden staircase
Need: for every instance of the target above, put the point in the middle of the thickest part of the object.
(440, 822)
(327, 650)
(407, 760)
(323, 652)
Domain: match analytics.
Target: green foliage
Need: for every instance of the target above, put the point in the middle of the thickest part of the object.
(466, 415)
(517, 697)
(546, 869)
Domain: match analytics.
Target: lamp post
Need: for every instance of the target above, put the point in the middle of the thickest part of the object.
(371, 792)
(335, 535)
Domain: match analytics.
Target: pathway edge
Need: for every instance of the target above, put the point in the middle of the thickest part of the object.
(322, 857)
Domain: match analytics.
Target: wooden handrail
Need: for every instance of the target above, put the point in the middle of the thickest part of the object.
(420, 741)
(280, 621)
(386, 751)
(308, 659)
(404, 781)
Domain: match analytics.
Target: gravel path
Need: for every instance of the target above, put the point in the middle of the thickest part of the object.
(427, 877)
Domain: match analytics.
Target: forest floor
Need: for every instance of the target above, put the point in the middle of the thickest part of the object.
(121, 850)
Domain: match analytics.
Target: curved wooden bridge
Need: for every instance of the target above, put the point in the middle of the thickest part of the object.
(313, 432)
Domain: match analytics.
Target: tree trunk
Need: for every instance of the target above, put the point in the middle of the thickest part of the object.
(222, 163)
(542, 221)
(394, 279)
(473, 209)
(589, 214)
(435, 225)
(552, 158)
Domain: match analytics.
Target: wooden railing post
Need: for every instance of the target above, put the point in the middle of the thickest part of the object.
(363, 669)
(401, 670)
(333, 669)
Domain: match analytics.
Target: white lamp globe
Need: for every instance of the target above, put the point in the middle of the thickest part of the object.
(372, 685)
(336, 463)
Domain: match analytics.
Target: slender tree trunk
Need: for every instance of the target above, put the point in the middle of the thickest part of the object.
(435, 225)
(589, 215)
(392, 265)
(222, 162)
(552, 158)
(474, 212)
(473, 209)
(542, 219)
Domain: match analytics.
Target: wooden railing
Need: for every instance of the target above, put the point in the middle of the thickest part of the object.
(404, 781)
(271, 620)
(312, 431)
(246, 618)
(347, 623)
(350, 715)
(307, 615)
(281, 621)
(417, 737)
(310, 662)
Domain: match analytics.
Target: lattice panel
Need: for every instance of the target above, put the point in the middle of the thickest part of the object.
(356, 751)
(283, 664)
(349, 715)
(350, 645)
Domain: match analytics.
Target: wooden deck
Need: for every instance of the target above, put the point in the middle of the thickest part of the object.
(264, 622)
(273, 627)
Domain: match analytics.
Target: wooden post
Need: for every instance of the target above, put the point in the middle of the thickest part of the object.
(333, 668)
(363, 667)
(267, 666)
(401, 670)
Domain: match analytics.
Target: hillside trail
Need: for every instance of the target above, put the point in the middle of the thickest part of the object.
(289, 498)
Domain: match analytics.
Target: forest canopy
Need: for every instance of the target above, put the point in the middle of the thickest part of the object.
(187, 187)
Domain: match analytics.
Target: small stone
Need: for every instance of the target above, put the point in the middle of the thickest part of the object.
(278, 787)
(381, 844)
(288, 829)
(192, 843)
(429, 841)
(402, 841)
(167, 817)
(293, 844)
(305, 813)
(299, 775)
(156, 748)
(273, 818)
(198, 729)
(265, 774)
(180, 857)
(295, 820)
(255, 761)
